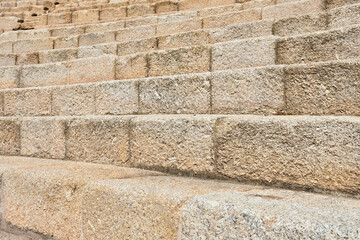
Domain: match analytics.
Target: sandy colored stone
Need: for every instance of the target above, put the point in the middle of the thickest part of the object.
(67, 31)
(43, 75)
(46, 196)
(133, 47)
(205, 12)
(59, 18)
(339, 3)
(187, 39)
(6, 47)
(310, 152)
(98, 139)
(9, 236)
(132, 66)
(35, 34)
(66, 42)
(22, 46)
(118, 98)
(241, 31)
(192, 4)
(57, 55)
(232, 18)
(9, 136)
(244, 53)
(112, 13)
(323, 89)
(173, 143)
(27, 58)
(73, 100)
(137, 22)
(85, 16)
(293, 9)
(91, 70)
(142, 208)
(9, 36)
(91, 39)
(139, 10)
(1, 103)
(135, 33)
(166, 6)
(107, 26)
(97, 50)
(179, 61)
(178, 94)
(9, 77)
(325, 46)
(344, 16)
(43, 137)
(179, 16)
(165, 29)
(7, 60)
(259, 3)
(269, 214)
(301, 25)
(27, 102)
(248, 91)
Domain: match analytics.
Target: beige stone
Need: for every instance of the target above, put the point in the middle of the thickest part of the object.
(91, 39)
(339, 3)
(9, 137)
(179, 61)
(67, 31)
(135, 33)
(184, 39)
(248, 91)
(9, 236)
(85, 16)
(112, 13)
(293, 9)
(180, 16)
(66, 42)
(35, 34)
(7, 60)
(73, 100)
(232, 18)
(27, 102)
(118, 98)
(22, 46)
(98, 139)
(43, 137)
(137, 22)
(142, 208)
(205, 12)
(308, 152)
(91, 70)
(133, 47)
(166, 6)
(171, 143)
(165, 29)
(59, 18)
(323, 89)
(178, 94)
(192, 4)
(27, 58)
(138, 10)
(46, 195)
(9, 77)
(57, 55)
(109, 26)
(43, 75)
(324, 46)
(244, 53)
(6, 47)
(132, 66)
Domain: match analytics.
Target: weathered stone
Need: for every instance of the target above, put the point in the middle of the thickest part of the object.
(345, 16)
(9, 77)
(132, 66)
(178, 27)
(184, 39)
(232, 18)
(43, 137)
(136, 33)
(133, 47)
(57, 55)
(91, 39)
(9, 137)
(85, 16)
(33, 45)
(101, 140)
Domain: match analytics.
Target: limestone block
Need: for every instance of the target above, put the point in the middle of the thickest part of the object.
(178, 27)
(184, 39)
(112, 13)
(57, 55)
(59, 18)
(136, 33)
(33, 45)
(9, 77)
(66, 42)
(133, 47)
(132, 66)
(91, 39)
(138, 10)
(85, 16)
(27, 58)
(9, 137)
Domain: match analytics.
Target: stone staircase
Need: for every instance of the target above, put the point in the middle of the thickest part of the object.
(181, 119)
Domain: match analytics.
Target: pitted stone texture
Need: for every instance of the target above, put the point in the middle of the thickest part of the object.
(325, 46)
(43, 137)
(178, 94)
(9, 77)
(200, 37)
(339, 3)
(73, 100)
(179, 61)
(9, 236)
(344, 16)
(270, 214)
(243, 53)
(46, 195)
(117, 98)
(323, 89)
(173, 143)
(43, 75)
(131, 66)
(101, 140)
(142, 208)
(27, 102)
(310, 152)
(9, 137)
(247, 91)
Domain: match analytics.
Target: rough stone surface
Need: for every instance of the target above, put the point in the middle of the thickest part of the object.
(73, 100)
(243, 53)
(184, 39)
(43, 137)
(101, 140)
(27, 102)
(9, 77)
(9, 137)
(141, 208)
(46, 195)
(179, 94)
(173, 143)
(269, 214)
(323, 89)
(9, 236)
(344, 16)
(118, 98)
(132, 66)
(248, 91)
(310, 152)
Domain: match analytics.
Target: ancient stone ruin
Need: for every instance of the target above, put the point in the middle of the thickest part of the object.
(179, 119)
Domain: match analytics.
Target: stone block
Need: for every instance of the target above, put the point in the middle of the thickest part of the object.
(23, 46)
(165, 29)
(132, 66)
(85, 16)
(91, 39)
(184, 39)
(9, 77)
(133, 47)
(9, 137)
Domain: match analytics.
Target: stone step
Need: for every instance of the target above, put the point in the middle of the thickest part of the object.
(328, 88)
(307, 152)
(90, 201)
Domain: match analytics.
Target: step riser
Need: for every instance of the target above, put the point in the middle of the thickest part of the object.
(307, 152)
(319, 89)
